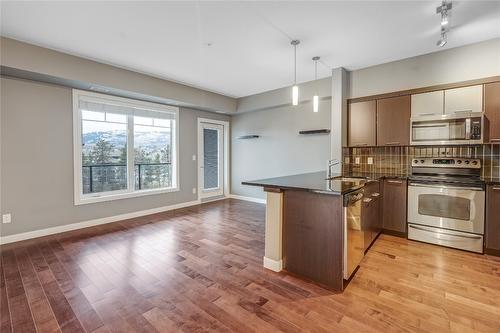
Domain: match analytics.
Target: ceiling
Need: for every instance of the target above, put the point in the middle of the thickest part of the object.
(242, 48)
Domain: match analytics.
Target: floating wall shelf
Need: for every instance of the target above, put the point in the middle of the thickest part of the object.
(317, 131)
(251, 136)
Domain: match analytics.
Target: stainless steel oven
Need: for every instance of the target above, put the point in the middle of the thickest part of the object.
(462, 128)
(446, 203)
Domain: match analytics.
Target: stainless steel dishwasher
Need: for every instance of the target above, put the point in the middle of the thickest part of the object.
(354, 238)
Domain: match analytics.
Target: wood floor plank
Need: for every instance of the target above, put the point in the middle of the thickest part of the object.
(199, 269)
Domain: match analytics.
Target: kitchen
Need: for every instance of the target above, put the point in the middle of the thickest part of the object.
(250, 166)
(418, 164)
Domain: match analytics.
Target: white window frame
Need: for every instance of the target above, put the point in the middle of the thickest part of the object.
(130, 192)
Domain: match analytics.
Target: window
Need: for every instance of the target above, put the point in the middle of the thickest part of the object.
(123, 148)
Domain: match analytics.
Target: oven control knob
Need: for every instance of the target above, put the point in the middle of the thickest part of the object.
(422, 161)
(474, 162)
(415, 161)
(459, 161)
(467, 161)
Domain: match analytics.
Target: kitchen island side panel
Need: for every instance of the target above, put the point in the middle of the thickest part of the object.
(313, 232)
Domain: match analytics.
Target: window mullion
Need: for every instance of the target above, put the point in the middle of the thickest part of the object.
(130, 153)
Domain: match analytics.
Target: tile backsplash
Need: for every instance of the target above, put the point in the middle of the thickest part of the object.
(396, 161)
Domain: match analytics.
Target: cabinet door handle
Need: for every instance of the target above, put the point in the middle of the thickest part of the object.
(392, 143)
(495, 188)
(463, 111)
(360, 144)
(427, 114)
(395, 182)
(494, 140)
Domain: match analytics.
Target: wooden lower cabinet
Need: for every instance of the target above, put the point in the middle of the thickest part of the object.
(313, 232)
(371, 213)
(492, 231)
(394, 206)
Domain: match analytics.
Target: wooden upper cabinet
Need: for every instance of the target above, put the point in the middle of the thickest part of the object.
(362, 119)
(393, 121)
(466, 99)
(427, 104)
(492, 109)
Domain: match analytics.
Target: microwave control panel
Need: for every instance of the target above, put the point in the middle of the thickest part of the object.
(475, 129)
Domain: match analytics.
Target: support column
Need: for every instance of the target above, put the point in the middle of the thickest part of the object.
(340, 82)
(273, 256)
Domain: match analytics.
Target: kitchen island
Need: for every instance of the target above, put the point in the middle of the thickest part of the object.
(305, 226)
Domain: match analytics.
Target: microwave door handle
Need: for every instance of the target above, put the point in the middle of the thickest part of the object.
(467, 128)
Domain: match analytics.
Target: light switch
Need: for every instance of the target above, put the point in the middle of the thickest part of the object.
(194, 190)
(194, 157)
(6, 218)
(358, 160)
(370, 160)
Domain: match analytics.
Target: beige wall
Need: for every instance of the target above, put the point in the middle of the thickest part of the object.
(37, 160)
(42, 61)
(464, 63)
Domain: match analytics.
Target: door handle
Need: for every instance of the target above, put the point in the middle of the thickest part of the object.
(395, 182)
(444, 233)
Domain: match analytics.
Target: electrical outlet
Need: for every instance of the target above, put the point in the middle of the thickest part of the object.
(358, 160)
(194, 157)
(370, 160)
(194, 190)
(346, 160)
(6, 218)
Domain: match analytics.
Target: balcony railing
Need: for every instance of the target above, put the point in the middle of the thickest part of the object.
(113, 176)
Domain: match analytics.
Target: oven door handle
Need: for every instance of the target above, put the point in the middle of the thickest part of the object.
(443, 233)
(448, 187)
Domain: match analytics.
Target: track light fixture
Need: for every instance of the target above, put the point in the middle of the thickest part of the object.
(444, 10)
(295, 88)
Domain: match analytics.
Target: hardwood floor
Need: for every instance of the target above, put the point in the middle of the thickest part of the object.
(199, 269)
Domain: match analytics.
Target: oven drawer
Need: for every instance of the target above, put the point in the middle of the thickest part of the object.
(444, 237)
(447, 207)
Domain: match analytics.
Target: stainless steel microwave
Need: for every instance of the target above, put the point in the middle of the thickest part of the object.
(453, 129)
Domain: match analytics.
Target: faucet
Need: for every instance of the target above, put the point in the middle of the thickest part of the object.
(331, 163)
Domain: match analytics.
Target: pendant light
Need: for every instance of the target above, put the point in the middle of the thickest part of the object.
(295, 88)
(315, 97)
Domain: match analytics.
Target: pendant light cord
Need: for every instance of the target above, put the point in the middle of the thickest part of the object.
(295, 65)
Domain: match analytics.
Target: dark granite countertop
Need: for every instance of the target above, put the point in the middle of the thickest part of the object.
(317, 182)
(314, 182)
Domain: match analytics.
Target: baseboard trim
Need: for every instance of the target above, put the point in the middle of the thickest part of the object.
(91, 223)
(251, 199)
(493, 252)
(274, 265)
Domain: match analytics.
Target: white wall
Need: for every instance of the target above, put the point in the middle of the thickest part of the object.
(464, 63)
(280, 150)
